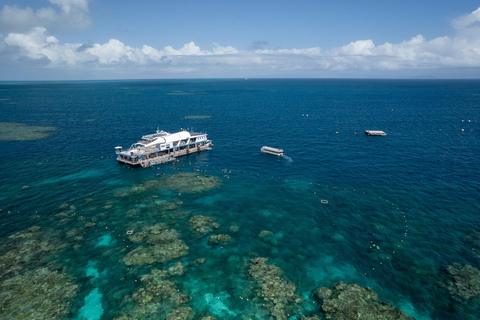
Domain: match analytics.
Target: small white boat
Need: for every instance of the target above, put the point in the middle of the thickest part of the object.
(274, 151)
(375, 133)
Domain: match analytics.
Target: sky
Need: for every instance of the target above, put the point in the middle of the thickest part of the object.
(148, 39)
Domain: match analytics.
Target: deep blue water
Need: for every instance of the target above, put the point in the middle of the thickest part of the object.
(415, 192)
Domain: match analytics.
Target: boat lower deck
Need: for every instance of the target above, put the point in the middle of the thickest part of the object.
(161, 158)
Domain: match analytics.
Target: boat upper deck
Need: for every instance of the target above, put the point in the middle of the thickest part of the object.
(163, 141)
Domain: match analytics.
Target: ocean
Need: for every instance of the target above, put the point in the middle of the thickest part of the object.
(399, 214)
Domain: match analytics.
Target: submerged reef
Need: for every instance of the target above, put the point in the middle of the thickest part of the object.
(350, 301)
(31, 285)
(157, 298)
(278, 294)
(268, 237)
(220, 239)
(191, 182)
(11, 131)
(465, 281)
(37, 294)
(178, 269)
(183, 313)
(473, 240)
(27, 249)
(136, 188)
(165, 246)
(203, 224)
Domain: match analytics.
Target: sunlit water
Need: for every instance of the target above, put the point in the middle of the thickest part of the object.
(390, 213)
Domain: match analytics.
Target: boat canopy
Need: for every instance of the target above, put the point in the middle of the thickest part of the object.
(178, 136)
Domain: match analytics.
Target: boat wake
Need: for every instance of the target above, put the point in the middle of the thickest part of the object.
(289, 160)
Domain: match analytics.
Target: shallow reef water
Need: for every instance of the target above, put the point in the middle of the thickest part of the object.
(158, 249)
(346, 227)
(11, 131)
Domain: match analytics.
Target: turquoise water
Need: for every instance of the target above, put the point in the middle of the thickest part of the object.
(399, 207)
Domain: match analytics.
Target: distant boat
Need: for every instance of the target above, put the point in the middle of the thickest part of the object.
(375, 133)
(274, 151)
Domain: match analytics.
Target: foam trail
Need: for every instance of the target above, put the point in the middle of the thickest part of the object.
(289, 160)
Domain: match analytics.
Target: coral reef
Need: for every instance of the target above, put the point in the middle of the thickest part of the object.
(156, 298)
(198, 262)
(203, 224)
(11, 131)
(37, 294)
(350, 301)
(473, 240)
(164, 246)
(178, 269)
(265, 233)
(136, 188)
(191, 182)
(154, 275)
(268, 237)
(234, 228)
(465, 281)
(183, 313)
(220, 239)
(278, 293)
(26, 250)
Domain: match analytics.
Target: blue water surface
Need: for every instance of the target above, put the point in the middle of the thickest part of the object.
(414, 193)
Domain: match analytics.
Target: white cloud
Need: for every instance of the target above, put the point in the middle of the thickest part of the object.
(218, 49)
(468, 21)
(363, 57)
(189, 49)
(38, 45)
(73, 14)
(307, 52)
(110, 52)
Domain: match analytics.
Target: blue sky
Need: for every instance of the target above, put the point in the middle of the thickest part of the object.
(95, 39)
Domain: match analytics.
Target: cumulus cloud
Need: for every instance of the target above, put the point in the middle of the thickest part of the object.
(72, 14)
(461, 51)
(39, 45)
(471, 20)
